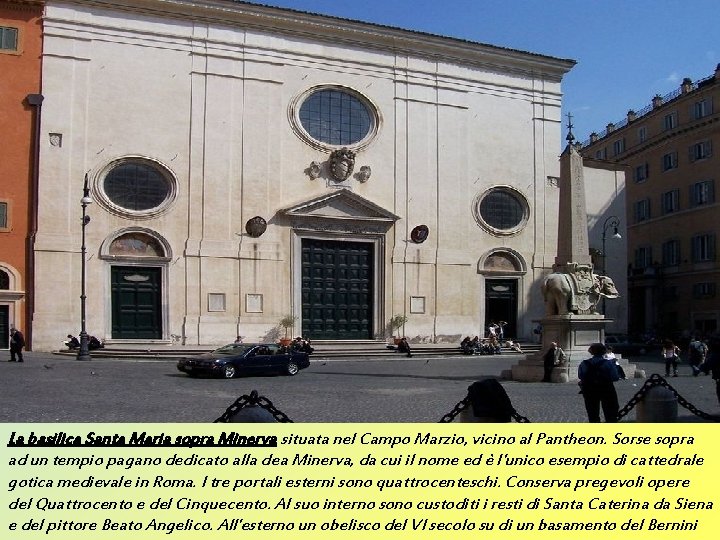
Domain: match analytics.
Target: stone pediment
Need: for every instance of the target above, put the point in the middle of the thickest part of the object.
(340, 205)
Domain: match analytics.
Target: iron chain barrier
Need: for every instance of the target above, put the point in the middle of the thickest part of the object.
(657, 380)
(255, 400)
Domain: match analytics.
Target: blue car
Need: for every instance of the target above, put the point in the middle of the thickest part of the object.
(245, 359)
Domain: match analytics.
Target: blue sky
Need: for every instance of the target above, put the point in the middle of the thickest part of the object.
(626, 51)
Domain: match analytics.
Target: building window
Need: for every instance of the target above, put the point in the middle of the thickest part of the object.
(8, 38)
(601, 154)
(642, 134)
(4, 216)
(641, 172)
(618, 147)
(670, 201)
(136, 187)
(704, 290)
(669, 161)
(643, 257)
(4, 280)
(671, 253)
(702, 193)
(703, 248)
(701, 150)
(642, 210)
(702, 108)
(502, 210)
(336, 116)
(670, 121)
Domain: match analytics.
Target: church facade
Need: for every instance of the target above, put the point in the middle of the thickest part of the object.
(249, 164)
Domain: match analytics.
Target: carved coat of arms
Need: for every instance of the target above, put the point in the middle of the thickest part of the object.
(584, 285)
(342, 163)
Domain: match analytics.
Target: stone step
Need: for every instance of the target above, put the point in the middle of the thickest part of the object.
(323, 349)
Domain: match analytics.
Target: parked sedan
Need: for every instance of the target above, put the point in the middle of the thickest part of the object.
(244, 359)
(622, 344)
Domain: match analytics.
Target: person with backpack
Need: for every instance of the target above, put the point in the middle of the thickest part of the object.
(597, 380)
(697, 351)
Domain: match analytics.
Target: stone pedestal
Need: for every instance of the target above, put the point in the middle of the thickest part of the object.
(574, 334)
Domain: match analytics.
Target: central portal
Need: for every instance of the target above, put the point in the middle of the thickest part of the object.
(337, 291)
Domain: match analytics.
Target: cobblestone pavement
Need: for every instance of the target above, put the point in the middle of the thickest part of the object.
(49, 388)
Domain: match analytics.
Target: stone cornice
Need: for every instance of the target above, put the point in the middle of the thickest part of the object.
(349, 32)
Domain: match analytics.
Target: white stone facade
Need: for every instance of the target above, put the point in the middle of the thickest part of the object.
(208, 92)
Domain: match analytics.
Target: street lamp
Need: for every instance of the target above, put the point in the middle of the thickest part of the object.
(84, 351)
(612, 221)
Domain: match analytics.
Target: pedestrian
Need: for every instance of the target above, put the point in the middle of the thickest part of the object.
(697, 351)
(538, 330)
(610, 355)
(712, 363)
(72, 342)
(513, 346)
(597, 380)
(404, 347)
(554, 356)
(492, 329)
(17, 342)
(501, 330)
(238, 340)
(671, 355)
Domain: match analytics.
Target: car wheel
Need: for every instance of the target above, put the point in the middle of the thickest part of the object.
(229, 371)
(292, 368)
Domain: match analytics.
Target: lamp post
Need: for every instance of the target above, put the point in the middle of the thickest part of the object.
(614, 222)
(84, 351)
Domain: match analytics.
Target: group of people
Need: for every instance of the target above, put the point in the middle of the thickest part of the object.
(598, 373)
(496, 329)
(301, 344)
(73, 343)
(697, 357)
(490, 345)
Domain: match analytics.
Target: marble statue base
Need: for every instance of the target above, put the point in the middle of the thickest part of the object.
(574, 334)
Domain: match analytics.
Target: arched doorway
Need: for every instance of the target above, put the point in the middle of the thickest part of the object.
(10, 298)
(138, 263)
(503, 271)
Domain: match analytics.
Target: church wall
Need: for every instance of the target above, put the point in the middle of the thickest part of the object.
(211, 103)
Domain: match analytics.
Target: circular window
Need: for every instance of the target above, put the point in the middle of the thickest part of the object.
(502, 210)
(335, 117)
(136, 187)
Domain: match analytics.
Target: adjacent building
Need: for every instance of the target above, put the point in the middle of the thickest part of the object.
(20, 104)
(249, 164)
(670, 149)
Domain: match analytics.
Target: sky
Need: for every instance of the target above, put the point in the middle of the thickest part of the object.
(626, 51)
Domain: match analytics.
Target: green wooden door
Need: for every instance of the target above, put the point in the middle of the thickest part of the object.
(136, 302)
(337, 292)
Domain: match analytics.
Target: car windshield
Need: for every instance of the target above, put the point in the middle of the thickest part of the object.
(233, 348)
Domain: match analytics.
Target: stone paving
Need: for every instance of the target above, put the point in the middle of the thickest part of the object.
(49, 388)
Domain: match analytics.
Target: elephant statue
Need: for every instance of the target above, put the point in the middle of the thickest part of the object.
(562, 296)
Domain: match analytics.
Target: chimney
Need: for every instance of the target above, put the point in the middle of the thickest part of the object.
(657, 101)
